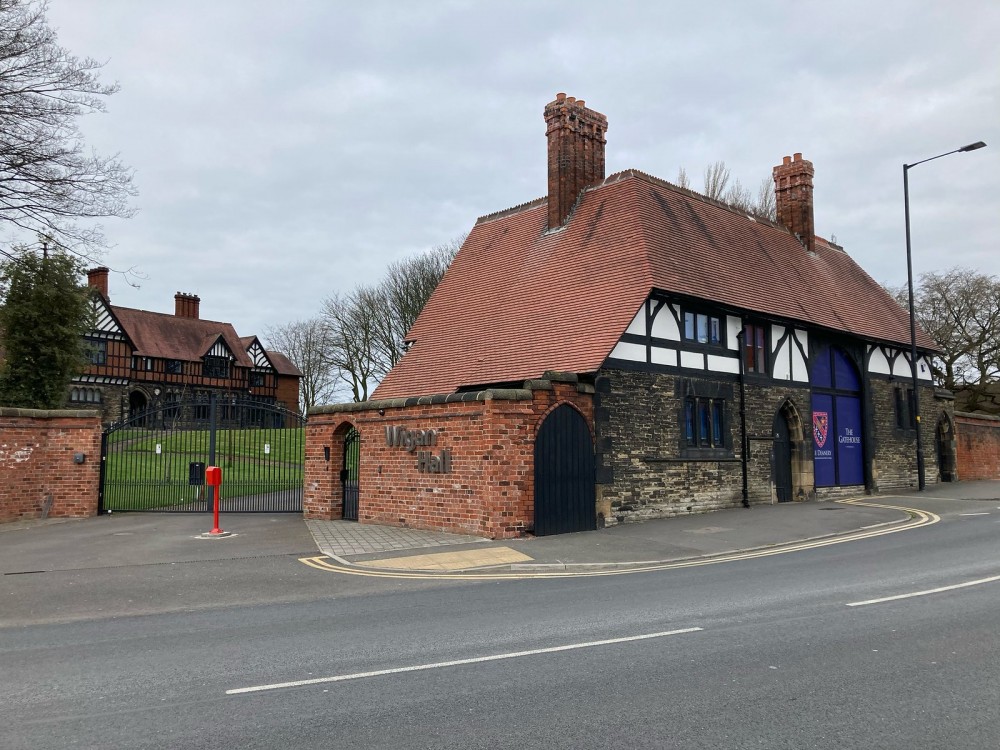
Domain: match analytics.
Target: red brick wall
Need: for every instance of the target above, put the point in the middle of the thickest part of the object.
(37, 474)
(978, 446)
(287, 392)
(489, 491)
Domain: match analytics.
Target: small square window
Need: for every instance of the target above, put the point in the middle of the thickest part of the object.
(97, 351)
(702, 328)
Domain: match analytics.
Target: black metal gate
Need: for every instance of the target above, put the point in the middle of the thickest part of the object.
(349, 474)
(155, 461)
(564, 474)
(782, 459)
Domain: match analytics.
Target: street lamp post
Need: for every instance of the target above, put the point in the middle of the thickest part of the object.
(913, 320)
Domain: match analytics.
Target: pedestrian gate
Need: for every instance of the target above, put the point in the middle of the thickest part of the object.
(349, 474)
(156, 460)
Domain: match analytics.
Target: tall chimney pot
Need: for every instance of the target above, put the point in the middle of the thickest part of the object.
(793, 197)
(576, 153)
(97, 278)
(187, 305)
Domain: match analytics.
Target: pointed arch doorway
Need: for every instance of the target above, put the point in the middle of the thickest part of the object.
(791, 472)
(564, 474)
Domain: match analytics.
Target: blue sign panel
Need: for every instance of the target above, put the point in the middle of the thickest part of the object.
(850, 456)
(824, 465)
(845, 377)
(821, 375)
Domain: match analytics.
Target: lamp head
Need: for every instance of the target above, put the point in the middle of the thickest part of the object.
(973, 146)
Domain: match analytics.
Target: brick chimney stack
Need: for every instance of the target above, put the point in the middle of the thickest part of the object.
(97, 278)
(793, 196)
(186, 305)
(576, 153)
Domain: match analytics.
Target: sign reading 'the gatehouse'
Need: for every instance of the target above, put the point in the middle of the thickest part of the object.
(411, 440)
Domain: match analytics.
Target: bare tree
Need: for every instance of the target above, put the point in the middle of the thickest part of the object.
(365, 330)
(720, 186)
(401, 296)
(766, 205)
(349, 333)
(960, 309)
(716, 180)
(304, 343)
(682, 179)
(48, 181)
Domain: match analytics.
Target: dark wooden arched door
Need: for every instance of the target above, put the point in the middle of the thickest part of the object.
(564, 474)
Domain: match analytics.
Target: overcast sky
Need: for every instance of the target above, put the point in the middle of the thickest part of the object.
(288, 150)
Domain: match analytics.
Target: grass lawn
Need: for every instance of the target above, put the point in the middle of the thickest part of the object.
(148, 469)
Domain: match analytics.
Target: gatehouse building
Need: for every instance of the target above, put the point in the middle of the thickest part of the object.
(624, 348)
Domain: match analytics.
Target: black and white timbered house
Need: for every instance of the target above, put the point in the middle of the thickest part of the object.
(140, 359)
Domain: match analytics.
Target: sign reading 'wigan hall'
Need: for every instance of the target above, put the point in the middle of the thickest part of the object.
(411, 440)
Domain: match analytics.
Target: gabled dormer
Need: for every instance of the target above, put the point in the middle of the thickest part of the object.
(217, 361)
(258, 355)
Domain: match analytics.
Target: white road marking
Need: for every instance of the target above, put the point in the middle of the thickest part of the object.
(974, 514)
(457, 662)
(991, 579)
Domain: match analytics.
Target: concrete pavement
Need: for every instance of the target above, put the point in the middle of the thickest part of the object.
(148, 538)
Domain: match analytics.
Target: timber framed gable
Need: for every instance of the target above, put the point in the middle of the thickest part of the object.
(674, 334)
(884, 361)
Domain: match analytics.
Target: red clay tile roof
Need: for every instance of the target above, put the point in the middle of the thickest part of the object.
(517, 301)
(171, 337)
(282, 364)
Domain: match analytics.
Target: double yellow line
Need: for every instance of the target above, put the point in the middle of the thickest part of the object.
(916, 519)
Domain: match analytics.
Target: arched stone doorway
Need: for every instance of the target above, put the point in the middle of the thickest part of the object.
(790, 460)
(564, 474)
(137, 404)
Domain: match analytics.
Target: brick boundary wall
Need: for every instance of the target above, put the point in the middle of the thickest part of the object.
(978, 446)
(489, 436)
(38, 475)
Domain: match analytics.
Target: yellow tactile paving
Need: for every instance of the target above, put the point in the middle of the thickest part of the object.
(476, 558)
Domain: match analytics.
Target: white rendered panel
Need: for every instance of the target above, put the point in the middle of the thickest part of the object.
(776, 333)
(105, 322)
(783, 359)
(662, 356)
(901, 366)
(638, 324)
(723, 364)
(877, 362)
(733, 327)
(630, 352)
(665, 326)
(693, 359)
(800, 368)
(924, 369)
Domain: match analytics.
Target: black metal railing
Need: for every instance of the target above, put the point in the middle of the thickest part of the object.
(155, 460)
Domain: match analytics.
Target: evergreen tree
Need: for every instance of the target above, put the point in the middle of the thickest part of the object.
(44, 314)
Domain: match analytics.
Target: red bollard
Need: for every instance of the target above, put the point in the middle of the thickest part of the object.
(213, 478)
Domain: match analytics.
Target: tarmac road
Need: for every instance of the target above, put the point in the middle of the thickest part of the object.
(765, 652)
